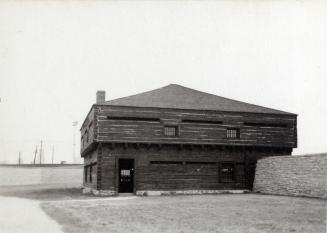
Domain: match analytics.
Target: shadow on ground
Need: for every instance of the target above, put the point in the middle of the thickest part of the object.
(45, 192)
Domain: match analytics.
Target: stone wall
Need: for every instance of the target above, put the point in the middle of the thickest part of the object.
(302, 175)
(32, 175)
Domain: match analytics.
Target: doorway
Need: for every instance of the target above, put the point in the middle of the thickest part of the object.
(126, 175)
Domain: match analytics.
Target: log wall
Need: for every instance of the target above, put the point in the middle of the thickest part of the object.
(91, 160)
(88, 130)
(197, 167)
(194, 127)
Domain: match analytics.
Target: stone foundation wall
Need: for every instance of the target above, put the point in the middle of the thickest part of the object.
(105, 193)
(302, 175)
(188, 192)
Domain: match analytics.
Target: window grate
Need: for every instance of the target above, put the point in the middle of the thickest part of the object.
(233, 133)
(170, 131)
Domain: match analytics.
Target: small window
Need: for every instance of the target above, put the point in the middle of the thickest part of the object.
(91, 167)
(85, 174)
(87, 136)
(125, 173)
(233, 133)
(227, 172)
(170, 131)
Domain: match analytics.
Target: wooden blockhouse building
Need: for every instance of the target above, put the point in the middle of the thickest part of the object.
(176, 139)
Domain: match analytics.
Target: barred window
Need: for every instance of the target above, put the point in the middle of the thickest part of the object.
(125, 173)
(233, 133)
(170, 131)
(227, 172)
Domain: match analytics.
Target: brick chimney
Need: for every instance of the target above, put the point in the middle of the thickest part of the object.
(101, 97)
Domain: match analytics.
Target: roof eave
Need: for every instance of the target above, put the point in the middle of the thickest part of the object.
(213, 110)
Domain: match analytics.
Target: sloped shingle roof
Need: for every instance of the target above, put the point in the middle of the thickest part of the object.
(180, 97)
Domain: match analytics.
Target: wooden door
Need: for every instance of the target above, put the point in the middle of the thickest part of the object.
(126, 175)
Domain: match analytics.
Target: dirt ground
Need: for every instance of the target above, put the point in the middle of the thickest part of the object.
(225, 213)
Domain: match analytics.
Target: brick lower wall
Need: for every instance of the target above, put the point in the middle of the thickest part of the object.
(302, 175)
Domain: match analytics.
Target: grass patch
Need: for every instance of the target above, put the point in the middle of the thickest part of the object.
(249, 213)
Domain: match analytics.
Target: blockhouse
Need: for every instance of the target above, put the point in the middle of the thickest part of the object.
(177, 139)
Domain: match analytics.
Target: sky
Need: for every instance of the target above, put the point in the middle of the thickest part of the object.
(55, 55)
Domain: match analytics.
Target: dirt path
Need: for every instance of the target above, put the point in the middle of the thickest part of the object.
(22, 215)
